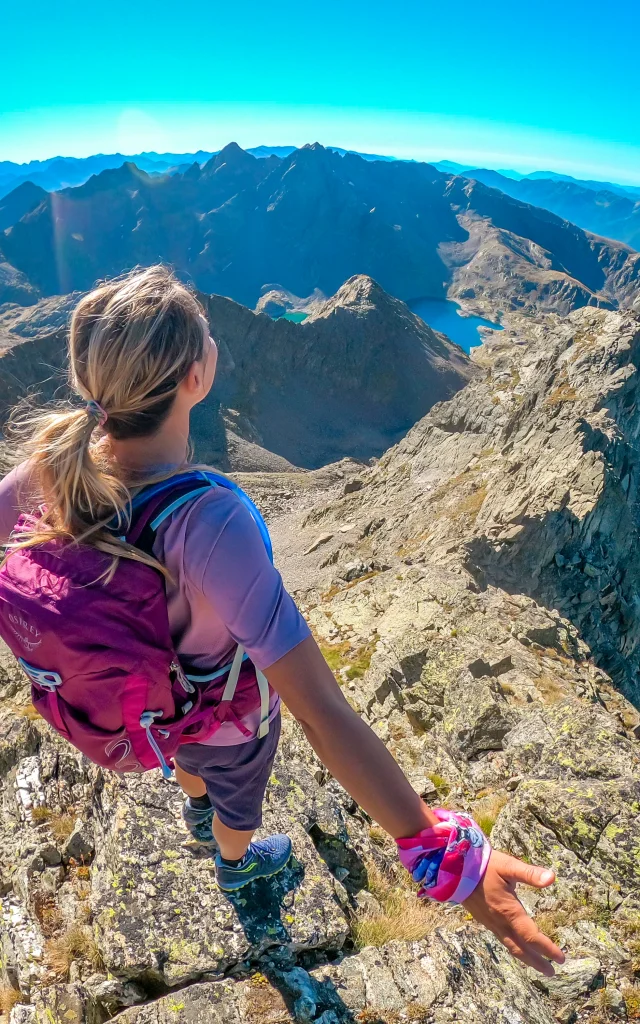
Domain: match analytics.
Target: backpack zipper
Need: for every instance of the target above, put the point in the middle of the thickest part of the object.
(146, 721)
(176, 667)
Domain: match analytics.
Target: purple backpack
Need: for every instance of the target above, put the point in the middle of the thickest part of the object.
(104, 672)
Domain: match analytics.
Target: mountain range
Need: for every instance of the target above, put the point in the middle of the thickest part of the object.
(614, 214)
(239, 225)
(63, 171)
(66, 171)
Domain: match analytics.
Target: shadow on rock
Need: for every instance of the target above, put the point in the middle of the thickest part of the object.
(586, 570)
(262, 905)
(309, 999)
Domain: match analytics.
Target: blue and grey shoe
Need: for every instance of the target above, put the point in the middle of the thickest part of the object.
(199, 823)
(264, 858)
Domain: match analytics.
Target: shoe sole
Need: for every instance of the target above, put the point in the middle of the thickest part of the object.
(256, 878)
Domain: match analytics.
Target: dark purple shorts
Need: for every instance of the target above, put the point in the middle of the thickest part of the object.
(236, 777)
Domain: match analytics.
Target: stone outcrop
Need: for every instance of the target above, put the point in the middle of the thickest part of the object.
(529, 478)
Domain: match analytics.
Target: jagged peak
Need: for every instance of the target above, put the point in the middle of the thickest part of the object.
(232, 155)
(23, 190)
(111, 177)
(193, 171)
(361, 288)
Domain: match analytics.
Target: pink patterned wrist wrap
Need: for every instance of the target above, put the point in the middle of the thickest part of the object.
(449, 859)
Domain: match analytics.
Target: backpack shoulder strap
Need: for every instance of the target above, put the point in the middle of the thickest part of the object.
(154, 504)
(217, 480)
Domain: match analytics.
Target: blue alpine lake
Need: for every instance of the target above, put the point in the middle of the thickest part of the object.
(442, 315)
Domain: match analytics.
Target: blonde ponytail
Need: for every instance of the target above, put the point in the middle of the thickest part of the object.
(78, 492)
(132, 341)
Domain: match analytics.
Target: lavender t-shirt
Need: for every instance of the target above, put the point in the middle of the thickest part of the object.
(225, 589)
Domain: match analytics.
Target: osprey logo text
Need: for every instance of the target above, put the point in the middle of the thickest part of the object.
(27, 634)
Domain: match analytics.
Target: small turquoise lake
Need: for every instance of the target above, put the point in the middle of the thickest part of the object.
(295, 317)
(442, 315)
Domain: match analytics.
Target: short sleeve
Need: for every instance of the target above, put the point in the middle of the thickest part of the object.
(225, 558)
(16, 496)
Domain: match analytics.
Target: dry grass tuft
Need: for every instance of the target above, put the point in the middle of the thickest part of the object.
(550, 689)
(335, 655)
(360, 660)
(605, 1008)
(629, 718)
(563, 393)
(569, 912)
(9, 997)
(471, 504)
(378, 835)
(372, 1016)
(355, 660)
(47, 913)
(486, 810)
(418, 1014)
(441, 784)
(77, 943)
(342, 588)
(627, 927)
(402, 916)
(39, 815)
(27, 711)
(61, 825)
(632, 1002)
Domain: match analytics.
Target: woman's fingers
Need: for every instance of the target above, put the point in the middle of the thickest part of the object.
(530, 958)
(529, 936)
(494, 904)
(514, 870)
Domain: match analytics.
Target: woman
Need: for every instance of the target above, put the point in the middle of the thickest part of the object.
(141, 358)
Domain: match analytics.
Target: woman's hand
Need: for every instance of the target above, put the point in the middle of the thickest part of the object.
(495, 905)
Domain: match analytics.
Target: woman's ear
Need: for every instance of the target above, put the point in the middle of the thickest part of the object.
(199, 378)
(193, 380)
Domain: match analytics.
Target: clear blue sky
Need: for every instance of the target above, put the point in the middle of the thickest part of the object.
(553, 83)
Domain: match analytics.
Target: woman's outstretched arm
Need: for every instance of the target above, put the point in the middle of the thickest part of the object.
(351, 751)
(358, 759)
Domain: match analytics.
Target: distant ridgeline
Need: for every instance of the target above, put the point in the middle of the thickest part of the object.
(306, 220)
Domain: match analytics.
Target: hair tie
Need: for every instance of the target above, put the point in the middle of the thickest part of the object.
(95, 409)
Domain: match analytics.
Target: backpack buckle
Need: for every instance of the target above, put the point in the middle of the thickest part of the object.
(44, 678)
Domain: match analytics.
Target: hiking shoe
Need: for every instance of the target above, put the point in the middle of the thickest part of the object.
(199, 823)
(264, 858)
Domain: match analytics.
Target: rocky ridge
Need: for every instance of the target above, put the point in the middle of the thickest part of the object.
(349, 381)
(607, 211)
(433, 583)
